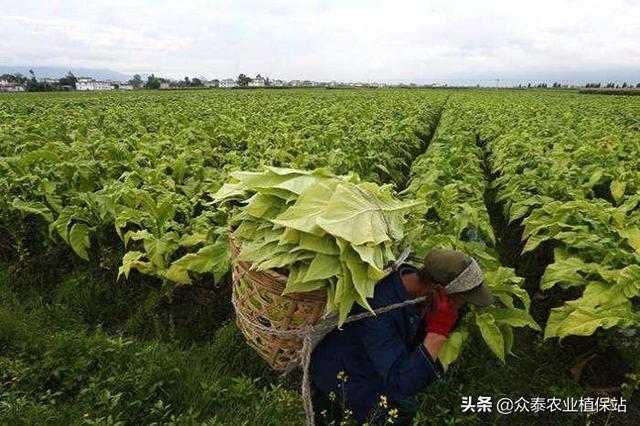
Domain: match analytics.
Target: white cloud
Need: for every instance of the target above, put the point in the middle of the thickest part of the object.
(344, 40)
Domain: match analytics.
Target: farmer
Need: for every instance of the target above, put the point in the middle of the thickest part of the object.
(380, 363)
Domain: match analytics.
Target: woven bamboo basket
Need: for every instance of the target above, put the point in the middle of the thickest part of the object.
(257, 295)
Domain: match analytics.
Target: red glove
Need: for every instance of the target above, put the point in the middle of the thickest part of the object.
(443, 315)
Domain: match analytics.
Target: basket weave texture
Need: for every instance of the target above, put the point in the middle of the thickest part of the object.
(258, 296)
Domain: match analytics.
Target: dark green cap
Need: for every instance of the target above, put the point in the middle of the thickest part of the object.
(459, 274)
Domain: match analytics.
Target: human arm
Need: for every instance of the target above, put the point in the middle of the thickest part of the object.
(404, 371)
(433, 343)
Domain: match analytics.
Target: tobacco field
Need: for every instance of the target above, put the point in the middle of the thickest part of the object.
(115, 264)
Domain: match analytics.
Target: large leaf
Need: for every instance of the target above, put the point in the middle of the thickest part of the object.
(491, 334)
(304, 214)
(79, 240)
(452, 348)
(359, 218)
(512, 317)
(214, 259)
(33, 207)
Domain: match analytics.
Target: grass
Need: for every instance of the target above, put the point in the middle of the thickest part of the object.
(56, 369)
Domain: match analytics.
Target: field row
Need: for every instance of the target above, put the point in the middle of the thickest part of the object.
(568, 171)
(144, 166)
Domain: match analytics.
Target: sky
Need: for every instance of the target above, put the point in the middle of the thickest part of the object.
(343, 40)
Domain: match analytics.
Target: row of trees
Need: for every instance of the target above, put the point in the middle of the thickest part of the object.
(31, 84)
(588, 86)
(611, 86)
(154, 82)
(68, 82)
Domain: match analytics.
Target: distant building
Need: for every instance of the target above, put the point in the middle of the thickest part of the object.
(228, 83)
(278, 83)
(211, 83)
(257, 82)
(295, 83)
(90, 85)
(6, 86)
(125, 86)
(164, 86)
(50, 80)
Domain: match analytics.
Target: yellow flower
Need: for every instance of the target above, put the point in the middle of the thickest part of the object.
(393, 412)
(383, 401)
(341, 376)
(332, 396)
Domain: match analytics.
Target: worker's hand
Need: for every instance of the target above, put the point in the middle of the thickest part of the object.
(443, 314)
(461, 314)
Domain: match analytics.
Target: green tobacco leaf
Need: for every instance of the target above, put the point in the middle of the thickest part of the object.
(618, 189)
(263, 206)
(512, 317)
(62, 224)
(452, 348)
(595, 178)
(177, 274)
(491, 334)
(571, 272)
(357, 217)
(507, 334)
(304, 214)
(33, 207)
(296, 283)
(191, 240)
(212, 259)
(229, 191)
(325, 244)
(289, 236)
(79, 240)
(373, 255)
(160, 249)
(633, 237)
(322, 267)
(584, 321)
(131, 260)
(629, 281)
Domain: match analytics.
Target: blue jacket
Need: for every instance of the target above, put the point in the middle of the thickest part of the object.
(383, 355)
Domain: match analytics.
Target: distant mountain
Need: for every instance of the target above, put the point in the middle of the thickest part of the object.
(57, 72)
(618, 76)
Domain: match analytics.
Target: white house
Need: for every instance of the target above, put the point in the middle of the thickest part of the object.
(10, 87)
(125, 86)
(164, 86)
(278, 83)
(228, 83)
(211, 83)
(90, 85)
(257, 82)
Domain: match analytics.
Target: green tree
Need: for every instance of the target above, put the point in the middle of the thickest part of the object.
(69, 80)
(136, 81)
(243, 80)
(153, 83)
